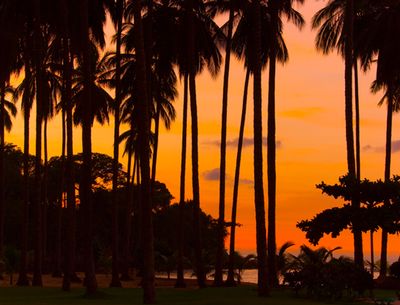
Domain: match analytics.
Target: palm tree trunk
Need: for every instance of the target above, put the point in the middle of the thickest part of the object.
(69, 257)
(371, 238)
(155, 149)
(388, 157)
(355, 202)
(218, 281)
(45, 191)
(180, 280)
(37, 200)
(271, 156)
(70, 184)
(201, 277)
(357, 108)
(128, 219)
(86, 174)
(57, 271)
(144, 155)
(231, 263)
(115, 282)
(258, 158)
(22, 276)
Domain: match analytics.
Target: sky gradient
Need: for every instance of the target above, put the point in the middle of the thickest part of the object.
(310, 134)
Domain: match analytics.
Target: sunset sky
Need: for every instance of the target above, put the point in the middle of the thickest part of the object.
(310, 134)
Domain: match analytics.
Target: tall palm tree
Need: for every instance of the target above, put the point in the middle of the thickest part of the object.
(27, 92)
(116, 9)
(381, 17)
(193, 34)
(230, 281)
(180, 280)
(277, 9)
(258, 156)
(349, 53)
(37, 200)
(88, 28)
(144, 141)
(221, 216)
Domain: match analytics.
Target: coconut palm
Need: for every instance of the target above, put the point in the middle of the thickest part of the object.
(230, 281)
(116, 9)
(221, 218)
(383, 17)
(197, 34)
(277, 9)
(144, 102)
(256, 64)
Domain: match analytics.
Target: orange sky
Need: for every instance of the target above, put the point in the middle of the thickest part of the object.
(310, 129)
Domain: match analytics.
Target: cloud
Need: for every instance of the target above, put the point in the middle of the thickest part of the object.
(211, 175)
(380, 149)
(246, 181)
(247, 142)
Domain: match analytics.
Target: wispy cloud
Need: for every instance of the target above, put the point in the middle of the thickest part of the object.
(213, 175)
(246, 181)
(380, 149)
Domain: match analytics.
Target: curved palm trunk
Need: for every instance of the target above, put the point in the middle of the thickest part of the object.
(230, 281)
(355, 202)
(180, 280)
(258, 159)
(218, 281)
(86, 174)
(388, 157)
(144, 155)
(128, 219)
(22, 276)
(271, 154)
(115, 282)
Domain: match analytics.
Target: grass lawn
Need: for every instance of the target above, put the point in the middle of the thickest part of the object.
(244, 295)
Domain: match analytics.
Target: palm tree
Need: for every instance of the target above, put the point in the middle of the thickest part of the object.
(230, 281)
(349, 52)
(258, 156)
(37, 200)
(221, 218)
(117, 8)
(193, 12)
(144, 153)
(277, 9)
(379, 18)
(27, 92)
(180, 281)
(87, 109)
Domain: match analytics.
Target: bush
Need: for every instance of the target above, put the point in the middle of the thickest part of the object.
(320, 275)
(394, 270)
